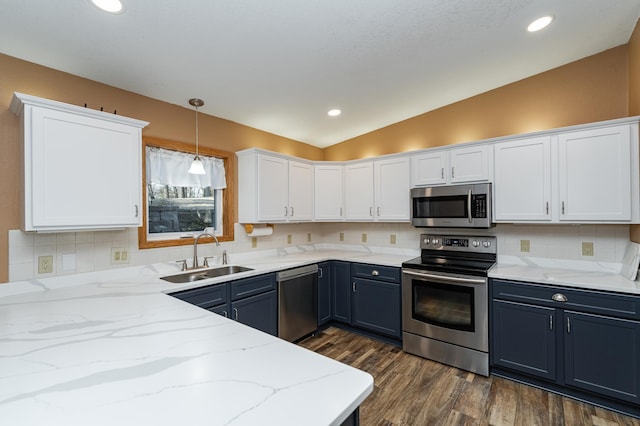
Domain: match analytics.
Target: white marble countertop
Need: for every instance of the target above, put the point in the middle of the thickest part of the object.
(578, 274)
(113, 348)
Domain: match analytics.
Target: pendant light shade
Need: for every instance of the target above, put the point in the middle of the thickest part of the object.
(196, 166)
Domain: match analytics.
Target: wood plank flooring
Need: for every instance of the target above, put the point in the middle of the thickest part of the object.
(410, 390)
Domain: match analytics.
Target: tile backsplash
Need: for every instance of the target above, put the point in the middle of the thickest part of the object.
(78, 252)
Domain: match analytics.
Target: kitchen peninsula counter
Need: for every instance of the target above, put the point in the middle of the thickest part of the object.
(113, 348)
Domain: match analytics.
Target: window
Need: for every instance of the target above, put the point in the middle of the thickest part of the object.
(178, 205)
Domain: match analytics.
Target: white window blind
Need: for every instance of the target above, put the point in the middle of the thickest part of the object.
(166, 167)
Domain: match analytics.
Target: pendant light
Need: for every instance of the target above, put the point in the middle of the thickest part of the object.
(196, 167)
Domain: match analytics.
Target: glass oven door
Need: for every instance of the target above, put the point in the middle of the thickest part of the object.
(447, 307)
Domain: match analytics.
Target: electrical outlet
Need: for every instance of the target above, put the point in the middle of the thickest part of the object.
(342, 236)
(254, 242)
(309, 237)
(45, 264)
(392, 239)
(525, 246)
(289, 239)
(587, 248)
(364, 238)
(119, 255)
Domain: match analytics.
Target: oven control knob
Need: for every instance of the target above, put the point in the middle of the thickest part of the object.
(435, 241)
(486, 244)
(475, 243)
(426, 240)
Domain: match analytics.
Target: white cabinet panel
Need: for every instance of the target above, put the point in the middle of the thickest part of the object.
(457, 165)
(272, 188)
(328, 191)
(522, 182)
(300, 191)
(392, 189)
(358, 191)
(82, 168)
(595, 175)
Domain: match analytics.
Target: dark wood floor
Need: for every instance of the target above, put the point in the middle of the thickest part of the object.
(410, 390)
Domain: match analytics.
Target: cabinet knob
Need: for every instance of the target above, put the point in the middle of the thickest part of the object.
(559, 297)
(375, 273)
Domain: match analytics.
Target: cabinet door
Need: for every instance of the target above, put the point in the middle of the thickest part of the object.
(376, 306)
(429, 169)
(602, 355)
(83, 172)
(324, 293)
(259, 312)
(273, 184)
(300, 191)
(358, 188)
(392, 187)
(523, 338)
(469, 164)
(341, 291)
(595, 175)
(522, 180)
(328, 192)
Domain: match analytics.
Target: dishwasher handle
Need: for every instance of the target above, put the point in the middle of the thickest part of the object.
(290, 274)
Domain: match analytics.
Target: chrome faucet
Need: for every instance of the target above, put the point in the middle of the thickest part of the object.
(195, 247)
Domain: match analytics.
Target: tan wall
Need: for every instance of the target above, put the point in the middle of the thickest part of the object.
(591, 89)
(168, 121)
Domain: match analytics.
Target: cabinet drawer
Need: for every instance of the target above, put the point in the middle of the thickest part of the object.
(376, 272)
(251, 286)
(599, 302)
(206, 297)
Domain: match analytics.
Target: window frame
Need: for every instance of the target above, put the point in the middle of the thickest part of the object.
(228, 194)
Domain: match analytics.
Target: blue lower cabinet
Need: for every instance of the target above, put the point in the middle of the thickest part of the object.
(324, 293)
(376, 306)
(523, 338)
(602, 355)
(341, 291)
(259, 311)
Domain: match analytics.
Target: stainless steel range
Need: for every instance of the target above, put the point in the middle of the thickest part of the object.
(445, 300)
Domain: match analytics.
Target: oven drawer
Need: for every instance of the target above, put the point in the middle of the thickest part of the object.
(376, 272)
(592, 301)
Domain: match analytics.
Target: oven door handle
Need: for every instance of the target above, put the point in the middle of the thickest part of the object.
(469, 207)
(447, 278)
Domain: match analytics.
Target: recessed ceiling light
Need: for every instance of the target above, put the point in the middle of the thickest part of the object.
(334, 112)
(111, 6)
(539, 24)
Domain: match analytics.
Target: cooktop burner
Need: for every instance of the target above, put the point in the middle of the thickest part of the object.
(455, 254)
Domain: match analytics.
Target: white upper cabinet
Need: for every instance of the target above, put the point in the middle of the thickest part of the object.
(583, 176)
(358, 191)
(392, 188)
(329, 199)
(82, 168)
(595, 174)
(378, 190)
(272, 188)
(522, 181)
(457, 165)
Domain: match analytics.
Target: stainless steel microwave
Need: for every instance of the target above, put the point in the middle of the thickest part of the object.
(452, 206)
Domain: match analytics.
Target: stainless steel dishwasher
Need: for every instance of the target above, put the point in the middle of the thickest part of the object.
(297, 302)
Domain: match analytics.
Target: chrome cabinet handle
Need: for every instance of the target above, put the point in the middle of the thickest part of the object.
(563, 207)
(442, 172)
(370, 211)
(353, 287)
(136, 210)
(286, 211)
(568, 325)
(340, 211)
(550, 322)
(559, 297)
(375, 273)
(235, 311)
(225, 314)
(320, 273)
(469, 207)
(453, 172)
(378, 210)
(547, 207)
(291, 211)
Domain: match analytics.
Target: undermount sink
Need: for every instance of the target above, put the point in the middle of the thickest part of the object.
(204, 274)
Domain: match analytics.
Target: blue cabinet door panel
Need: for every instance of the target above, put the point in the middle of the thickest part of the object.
(602, 355)
(523, 338)
(376, 306)
(259, 312)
